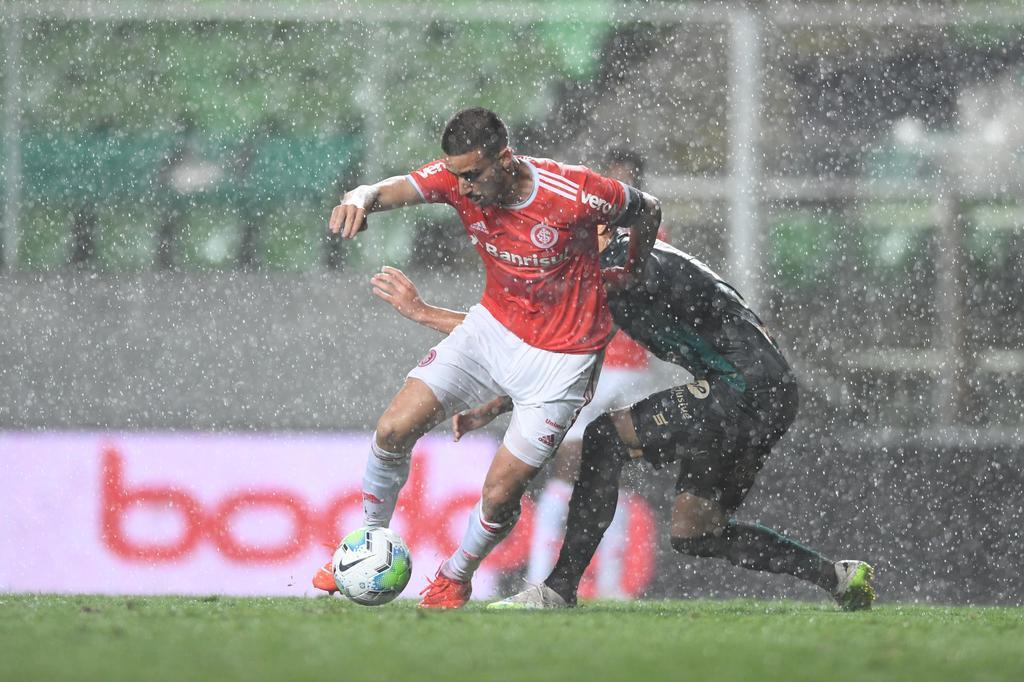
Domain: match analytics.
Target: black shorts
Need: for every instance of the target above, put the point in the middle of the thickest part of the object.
(719, 435)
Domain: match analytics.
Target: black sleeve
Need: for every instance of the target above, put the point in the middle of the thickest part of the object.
(633, 209)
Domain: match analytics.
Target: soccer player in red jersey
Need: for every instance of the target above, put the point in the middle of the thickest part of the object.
(537, 335)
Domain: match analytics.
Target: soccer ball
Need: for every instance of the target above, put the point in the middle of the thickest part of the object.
(372, 566)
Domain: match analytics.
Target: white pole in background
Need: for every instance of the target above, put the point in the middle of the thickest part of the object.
(745, 238)
(11, 142)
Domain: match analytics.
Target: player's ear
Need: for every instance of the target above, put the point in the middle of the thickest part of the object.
(505, 158)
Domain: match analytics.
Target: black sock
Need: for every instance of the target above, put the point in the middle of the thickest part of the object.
(753, 546)
(591, 507)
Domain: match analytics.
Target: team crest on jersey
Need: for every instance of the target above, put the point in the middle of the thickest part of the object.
(428, 358)
(543, 236)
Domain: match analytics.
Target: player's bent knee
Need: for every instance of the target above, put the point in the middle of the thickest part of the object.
(701, 545)
(399, 433)
(696, 533)
(694, 516)
(393, 436)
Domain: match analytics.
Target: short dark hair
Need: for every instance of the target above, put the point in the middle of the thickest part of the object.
(474, 128)
(623, 156)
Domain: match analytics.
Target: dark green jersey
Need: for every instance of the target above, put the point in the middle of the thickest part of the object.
(684, 313)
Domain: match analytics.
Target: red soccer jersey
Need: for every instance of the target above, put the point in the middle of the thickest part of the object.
(625, 353)
(543, 275)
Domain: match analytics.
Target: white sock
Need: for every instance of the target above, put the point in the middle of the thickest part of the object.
(481, 537)
(612, 551)
(385, 474)
(548, 529)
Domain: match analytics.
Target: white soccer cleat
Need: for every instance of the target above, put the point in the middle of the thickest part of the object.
(854, 591)
(533, 598)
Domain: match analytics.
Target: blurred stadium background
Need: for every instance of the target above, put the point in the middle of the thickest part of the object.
(168, 170)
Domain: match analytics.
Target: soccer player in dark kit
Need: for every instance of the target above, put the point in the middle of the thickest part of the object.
(720, 428)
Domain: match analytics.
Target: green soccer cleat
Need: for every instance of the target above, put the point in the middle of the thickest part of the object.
(854, 591)
(533, 598)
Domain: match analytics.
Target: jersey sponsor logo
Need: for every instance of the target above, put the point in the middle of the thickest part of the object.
(532, 261)
(699, 389)
(479, 226)
(554, 424)
(595, 202)
(660, 420)
(428, 358)
(548, 439)
(679, 395)
(432, 169)
(543, 236)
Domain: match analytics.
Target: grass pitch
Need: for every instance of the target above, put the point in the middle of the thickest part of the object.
(179, 638)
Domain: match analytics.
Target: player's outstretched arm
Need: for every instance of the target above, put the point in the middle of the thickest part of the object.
(349, 217)
(392, 285)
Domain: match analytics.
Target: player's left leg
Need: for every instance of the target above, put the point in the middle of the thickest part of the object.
(711, 486)
(491, 520)
(547, 390)
(701, 528)
(717, 471)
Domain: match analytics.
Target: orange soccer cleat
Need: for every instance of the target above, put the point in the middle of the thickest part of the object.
(324, 579)
(445, 593)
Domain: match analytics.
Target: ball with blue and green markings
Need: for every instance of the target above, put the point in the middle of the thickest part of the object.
(372, 566)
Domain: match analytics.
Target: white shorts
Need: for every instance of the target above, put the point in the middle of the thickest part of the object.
(482, 359)
(618, 387)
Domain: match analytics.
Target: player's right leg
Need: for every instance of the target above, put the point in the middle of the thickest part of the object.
(413, 411)
(446, 380)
